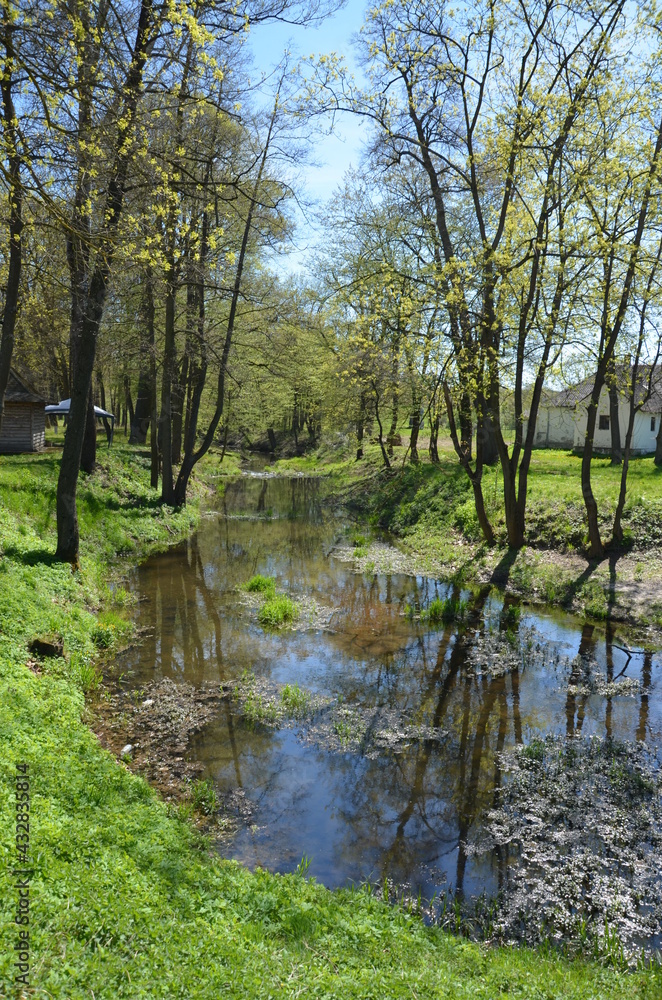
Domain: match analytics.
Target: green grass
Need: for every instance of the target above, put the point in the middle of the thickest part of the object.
(277, 611)
(261, 585)
(295, 699)
(444, 610)
(203, 797)
(128, 902)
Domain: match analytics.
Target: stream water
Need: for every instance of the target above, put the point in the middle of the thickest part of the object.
(411, 794)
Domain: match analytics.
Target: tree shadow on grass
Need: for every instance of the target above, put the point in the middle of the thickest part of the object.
(501, 572)
(501, 575)
(31, 557)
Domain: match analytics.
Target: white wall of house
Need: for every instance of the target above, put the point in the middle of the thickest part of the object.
(563, 427)
(555, 427)
(646, 426)
(643, 435)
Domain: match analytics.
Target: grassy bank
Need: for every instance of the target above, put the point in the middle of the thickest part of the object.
(431, 509)
(126, 899)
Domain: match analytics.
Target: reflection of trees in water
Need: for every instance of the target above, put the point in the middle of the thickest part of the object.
(184, 638)
(576, 703)
(422, 805)
(646, 673)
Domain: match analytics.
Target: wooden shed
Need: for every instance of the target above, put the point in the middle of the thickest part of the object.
(24, 421)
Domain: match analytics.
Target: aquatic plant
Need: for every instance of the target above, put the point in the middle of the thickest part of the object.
(203, 797)
(295, 699)
(259, 708)
(277, 611)
(259, 584)
(444, 610)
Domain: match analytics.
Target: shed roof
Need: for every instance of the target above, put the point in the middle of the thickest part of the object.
(580, 391)
(18, 390)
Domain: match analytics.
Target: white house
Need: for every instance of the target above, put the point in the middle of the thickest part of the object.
(562, 415)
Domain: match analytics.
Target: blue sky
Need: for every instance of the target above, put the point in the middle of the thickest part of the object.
(335, 153)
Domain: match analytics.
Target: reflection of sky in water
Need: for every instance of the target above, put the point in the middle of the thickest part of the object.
(404, 815)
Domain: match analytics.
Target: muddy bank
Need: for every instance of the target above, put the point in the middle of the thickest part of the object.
(150, 730)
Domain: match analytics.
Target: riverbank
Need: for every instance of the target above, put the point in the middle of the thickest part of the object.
(429, 508)
(127, 900)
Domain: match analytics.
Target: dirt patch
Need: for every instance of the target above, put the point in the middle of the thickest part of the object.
(150, 729)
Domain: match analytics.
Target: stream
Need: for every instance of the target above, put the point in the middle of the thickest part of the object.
(506, 767)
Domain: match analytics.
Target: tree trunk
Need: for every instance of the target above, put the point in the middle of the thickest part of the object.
(596, 548)
(395, 404)
(167, 484)
(143, 408)
(178, 394)
(67, 520)
(15, 198)
(614, 426)
(475, 475)
(617, 529)
(415, 430)
(485, 427)
(381, 434)
(466, 424)
(360, 427)
(88, 458)
(658, 445)
(434, 437)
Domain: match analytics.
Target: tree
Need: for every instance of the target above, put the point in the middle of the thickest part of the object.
(488, 101)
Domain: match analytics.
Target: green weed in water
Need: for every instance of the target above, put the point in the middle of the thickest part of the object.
(203, 797)
(444, 610)
(259, 584)
(278, 610)
(257, 708)
(84, 672)
(295, 700)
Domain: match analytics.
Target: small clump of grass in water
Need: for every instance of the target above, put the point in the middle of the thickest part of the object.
(276, 611)
(204, 798)
(259, 584)
(295, 700)
(444, 610)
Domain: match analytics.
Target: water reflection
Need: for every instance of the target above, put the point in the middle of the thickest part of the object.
(411, 815)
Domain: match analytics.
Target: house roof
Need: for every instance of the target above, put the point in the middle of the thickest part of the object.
(18, 390)
(580, 391)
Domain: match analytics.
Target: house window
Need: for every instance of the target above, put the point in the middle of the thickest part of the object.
(604, 422)
(652, 423)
